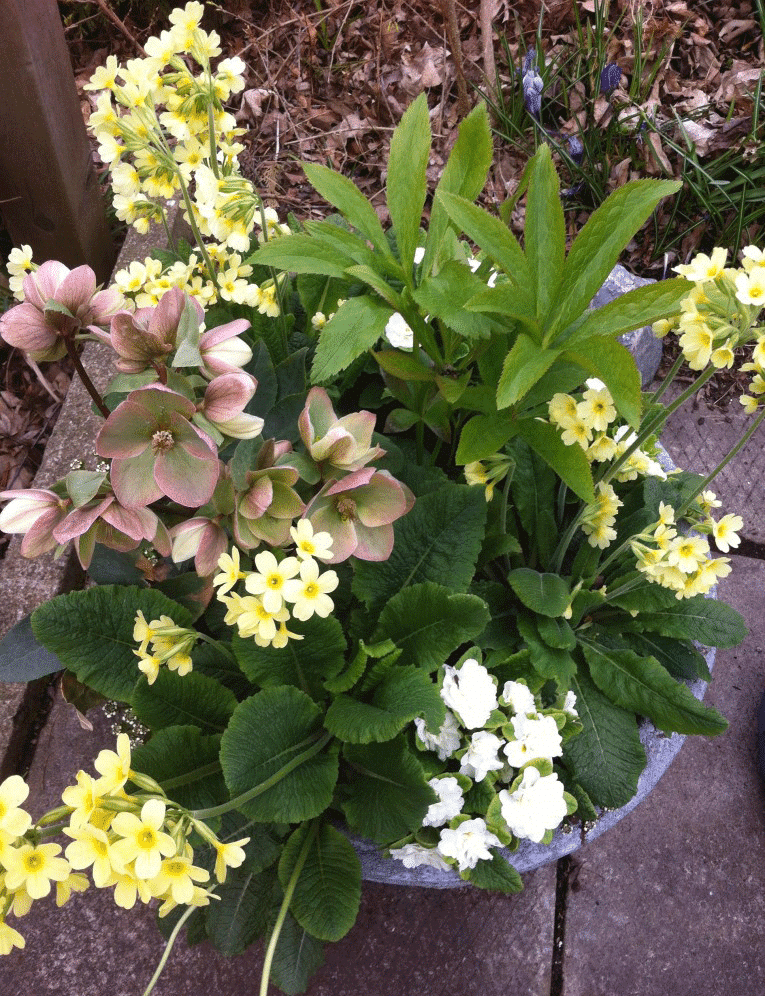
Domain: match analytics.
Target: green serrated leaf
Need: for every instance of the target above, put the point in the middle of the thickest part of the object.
(194, 700)
(428, 622)
(544, 232)
(569, 462)
(444, 297)
(22, 658)
(406, 185)
(388, 794)
(644, 686)
(91, 633)
(616, 367)
(356, 327)
(633, 310)
(271, 739)
(597, 248)
(483, 436)
(439, 540)
(606, 758)
(328, 892)
(303, 254)
(343, 194)
(524, 365)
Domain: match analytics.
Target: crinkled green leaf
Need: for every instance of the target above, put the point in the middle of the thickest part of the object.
(303, 663)
(498, 875)
(388, 793)
(551, 662)
(268, 735)
(438, 540)
(194, 700)
(428, 622)
(679, 658)
(297, 956)
(241, 913)
(606, 758)
(328, 892)
(547, 594)
(91, 633)
(185, 763)
(709, 622)
(22, 658)
(404, 693)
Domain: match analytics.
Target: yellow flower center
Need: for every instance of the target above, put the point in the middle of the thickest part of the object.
(146, 839)
(274, 581)
(311, 590)
(33, 862)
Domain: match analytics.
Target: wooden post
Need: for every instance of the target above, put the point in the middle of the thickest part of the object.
(49, 193)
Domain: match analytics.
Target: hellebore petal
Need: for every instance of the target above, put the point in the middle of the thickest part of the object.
(185, 476)
(24, 327)
(76, 290)
(227, 396)
(222, 350)
(40, 286)
(133, 481)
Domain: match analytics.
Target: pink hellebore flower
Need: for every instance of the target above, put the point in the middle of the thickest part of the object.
(37, 329)
(345, 443)
(267, 509)
(202, 538)
(358, 512)
(107, 522)
(156, 450)
(33, 513)
(222, 350)
(224, 403)
(149, 335)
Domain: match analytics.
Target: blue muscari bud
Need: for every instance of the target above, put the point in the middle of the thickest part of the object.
(575, 149)
(610, 78)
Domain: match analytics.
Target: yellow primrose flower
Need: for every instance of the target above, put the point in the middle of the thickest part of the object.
(309, 544)
(9, 939)
(83, 798)
(270, 578)
(74, 883)
(229, 855)
(14, 822)
(230, 572)
(91, 846)
(282, 637)
(311, 593)
(750, 287)
(34, 868)
(114, 768)
(176, 877)
(725, 532)
(128, 888)
(686, 553)
(562, 410)
(142, 839)
(703, 267)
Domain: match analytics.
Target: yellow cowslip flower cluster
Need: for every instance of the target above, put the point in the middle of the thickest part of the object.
(295, 581)
(137, 844)
(170, 645)
(754, 400)
(19, 265)
(145, 283)
(589, 423)
(721, 311)
(682, 562)
(598, 519)
(162, 128)
(489, 472)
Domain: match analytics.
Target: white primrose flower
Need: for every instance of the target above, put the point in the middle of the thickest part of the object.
(470, 692)
(449, 803)
(413, 855)
(535, 807)
(569, 705)
(398, 333)
(468, 844)
(482, 756)
(446, 741)
(519, 697)
(536, 738)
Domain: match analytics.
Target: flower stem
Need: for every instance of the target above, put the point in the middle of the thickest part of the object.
(87, 383)
(168, 948)
(288, 892)
(669, 378)
(240, 800)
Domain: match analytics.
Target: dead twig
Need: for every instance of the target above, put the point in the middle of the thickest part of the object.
(106, 9)
(453, 33)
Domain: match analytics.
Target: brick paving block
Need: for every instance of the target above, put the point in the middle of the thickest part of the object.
(673, 899)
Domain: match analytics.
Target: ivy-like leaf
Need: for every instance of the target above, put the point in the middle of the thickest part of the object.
(328, 892)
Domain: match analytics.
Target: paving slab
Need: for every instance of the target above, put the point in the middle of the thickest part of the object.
(673, 899)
